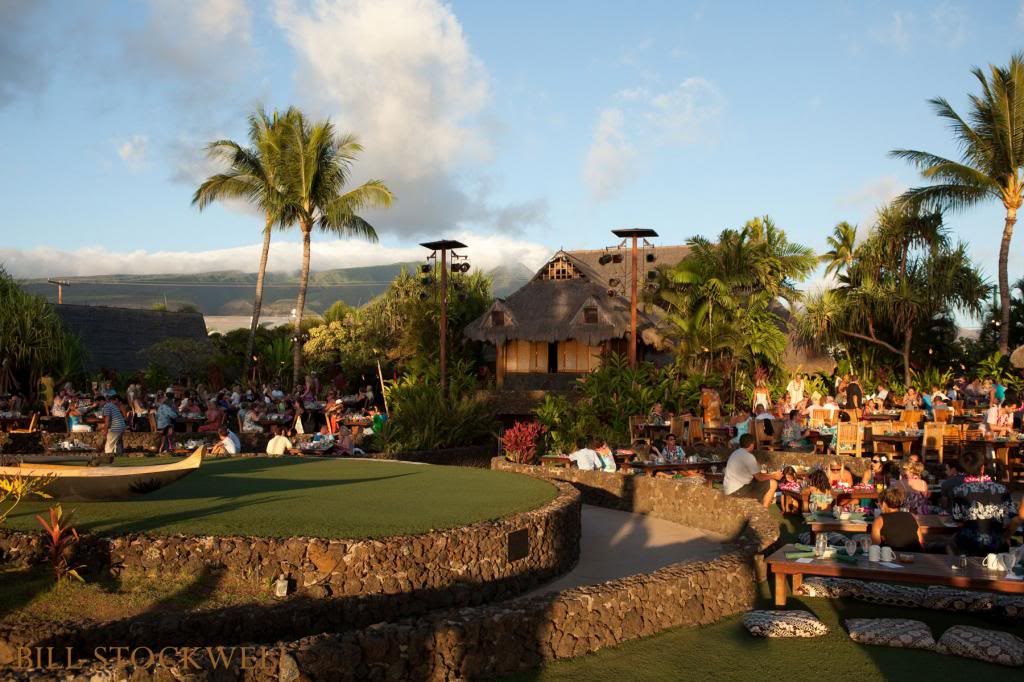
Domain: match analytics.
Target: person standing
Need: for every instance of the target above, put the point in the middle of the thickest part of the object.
(796, 389)
(113, 425)
(854, 395)
(165, 418)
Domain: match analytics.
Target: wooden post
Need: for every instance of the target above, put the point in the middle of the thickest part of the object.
(499, 365)
(383, 392)
(632, 307)
(444, 321)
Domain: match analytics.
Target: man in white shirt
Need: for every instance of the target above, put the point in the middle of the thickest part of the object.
(278, 444)
(586, 459)
(743, 477)
(228, 443)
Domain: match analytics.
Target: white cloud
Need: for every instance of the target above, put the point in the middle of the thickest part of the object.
(687, 114)
(611, 158)
(895, 32)
(134, 151)
(486, 251)
(401, 74)
(873, 194)
(681, 116)
(950, 22)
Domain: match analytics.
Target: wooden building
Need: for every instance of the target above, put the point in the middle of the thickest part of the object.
(574, 310)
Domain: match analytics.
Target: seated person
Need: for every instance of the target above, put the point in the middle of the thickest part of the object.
(743, 477)
(278, 444)
(214, 417)
(817, 494)
(839, 475)
(880, 400)
(911, 401)
(790, 483)
(657, 415)
(228, 443)
(831, 406)
(671, 450)
(585, 458)
(792, 434)
(984, 508)
(954, 477)
(744, 424)
(600, 446)
(251, 420)
(896, 528)
(875, 474)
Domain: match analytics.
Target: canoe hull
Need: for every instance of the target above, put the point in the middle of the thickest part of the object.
(79, 483)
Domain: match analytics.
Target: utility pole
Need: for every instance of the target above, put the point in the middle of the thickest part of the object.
(444, 246)
(633, 234)
(61, 283)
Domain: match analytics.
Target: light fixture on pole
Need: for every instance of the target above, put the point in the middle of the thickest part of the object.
(61, 283)
(444, 246)
(633, 234)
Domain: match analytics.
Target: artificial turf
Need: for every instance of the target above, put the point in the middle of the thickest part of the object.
(286, 496)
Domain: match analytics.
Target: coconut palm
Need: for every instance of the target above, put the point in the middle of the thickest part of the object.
(251, 175)
(991, 143)
(316, 165)
(841, 243)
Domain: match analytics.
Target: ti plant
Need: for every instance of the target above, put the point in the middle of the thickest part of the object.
(61, 539)
(15, 488)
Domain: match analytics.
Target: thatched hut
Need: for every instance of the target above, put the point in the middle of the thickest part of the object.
(570, 313)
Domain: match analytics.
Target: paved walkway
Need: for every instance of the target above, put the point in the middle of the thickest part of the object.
(616, 544)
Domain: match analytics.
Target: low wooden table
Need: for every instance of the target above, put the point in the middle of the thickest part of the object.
(926, 569)
(905, 441)
(653, 469)
(933, 524)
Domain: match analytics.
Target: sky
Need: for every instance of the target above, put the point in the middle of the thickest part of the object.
(517, 127)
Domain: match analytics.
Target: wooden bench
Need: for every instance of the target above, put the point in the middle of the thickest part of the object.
(926, 569)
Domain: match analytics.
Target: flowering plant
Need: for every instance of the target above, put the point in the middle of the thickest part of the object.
(520, 441)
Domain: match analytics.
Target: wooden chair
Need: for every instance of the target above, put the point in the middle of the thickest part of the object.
(849, 439)
(878, 446)
(958, 406)
(943, 416)
(953, 438)
(696, 432)
(238, 416)
(152, 422)
(819, 417)
(764, 440)
(974, 439)
(911, 417)
(934, 440)
(33, 425)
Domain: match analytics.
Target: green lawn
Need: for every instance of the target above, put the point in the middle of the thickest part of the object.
(725, 651)
(287, 496)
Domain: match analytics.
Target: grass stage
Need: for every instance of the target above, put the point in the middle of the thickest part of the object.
(286, 496)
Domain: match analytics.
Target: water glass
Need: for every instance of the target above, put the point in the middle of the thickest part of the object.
(851, 547)
(865, 543)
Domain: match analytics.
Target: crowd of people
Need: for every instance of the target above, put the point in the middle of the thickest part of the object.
(225, 412)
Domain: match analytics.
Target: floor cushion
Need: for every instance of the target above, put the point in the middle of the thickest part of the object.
(784, 624)
(985, 645)
(831, 588)
(952, 599)
(890, 595)
(1010, 607)
(900, 633)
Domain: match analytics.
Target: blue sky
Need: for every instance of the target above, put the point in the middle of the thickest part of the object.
(521, 127)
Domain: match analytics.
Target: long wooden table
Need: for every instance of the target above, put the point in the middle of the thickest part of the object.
(926, 569)
(933, 524)
(652, 469)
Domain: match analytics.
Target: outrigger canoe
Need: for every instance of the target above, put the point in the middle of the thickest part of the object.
(105, 482)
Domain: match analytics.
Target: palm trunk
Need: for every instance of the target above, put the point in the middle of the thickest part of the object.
(1004, 282)
(257, 304)
(907, 337)
(300, 304)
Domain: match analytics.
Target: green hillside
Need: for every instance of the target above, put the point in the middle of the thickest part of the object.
(230, 292)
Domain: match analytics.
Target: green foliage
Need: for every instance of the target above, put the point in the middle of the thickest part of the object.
(187, 308)
(33, 341)
(185, 360)
(338, 312)
(61, 540)
(424, 419)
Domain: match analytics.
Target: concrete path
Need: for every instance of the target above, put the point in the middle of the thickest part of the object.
(616, 544)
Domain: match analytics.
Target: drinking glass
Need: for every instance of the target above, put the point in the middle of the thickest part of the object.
(813, 507)
(865, 543)
(851, 547)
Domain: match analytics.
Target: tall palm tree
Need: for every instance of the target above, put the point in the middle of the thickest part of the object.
(252, 175)
(991, 143)
(841, 243)
(316, 166)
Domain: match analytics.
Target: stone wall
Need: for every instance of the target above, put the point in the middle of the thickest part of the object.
(477, 456)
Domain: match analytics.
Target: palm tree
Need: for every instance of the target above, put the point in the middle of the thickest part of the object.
(991, 143)
(841, 243)
(316, 166)
(252, 175)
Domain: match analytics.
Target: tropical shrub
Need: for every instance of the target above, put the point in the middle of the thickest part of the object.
(13, 489)
(61, 541)
(520, 442)
(422, 418)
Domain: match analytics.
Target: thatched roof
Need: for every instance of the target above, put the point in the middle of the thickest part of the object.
(112, 338)
(552, 309)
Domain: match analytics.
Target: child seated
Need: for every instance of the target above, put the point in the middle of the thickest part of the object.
(818, 493)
